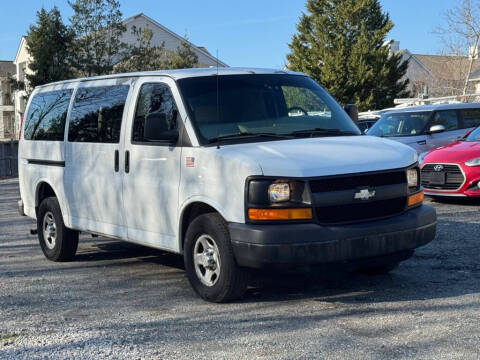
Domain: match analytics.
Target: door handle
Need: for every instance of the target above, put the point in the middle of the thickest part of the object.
(422, 142)
(127, 161)
(117, 160)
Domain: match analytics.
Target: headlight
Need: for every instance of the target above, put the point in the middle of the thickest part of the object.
(279, 192)
(473, 162)
(412, 177)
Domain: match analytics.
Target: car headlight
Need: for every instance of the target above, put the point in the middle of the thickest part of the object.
(412, 177)
(473, 162)
(279, 192)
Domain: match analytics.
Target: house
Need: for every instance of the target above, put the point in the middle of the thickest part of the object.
(438, 75)
(161, 36)
(7, 110)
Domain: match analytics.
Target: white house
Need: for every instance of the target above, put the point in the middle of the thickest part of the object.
(161, 35)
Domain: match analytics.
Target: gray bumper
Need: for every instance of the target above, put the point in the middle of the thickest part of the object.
(260, 246)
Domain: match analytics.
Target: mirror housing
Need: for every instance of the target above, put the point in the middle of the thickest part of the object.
(435, 129)
(156, 129)
(352, 111)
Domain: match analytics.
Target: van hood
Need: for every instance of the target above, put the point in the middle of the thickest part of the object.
(323, 156)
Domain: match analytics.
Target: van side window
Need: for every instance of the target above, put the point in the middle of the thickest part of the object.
(46, 116)
(471, 118)
(446, 118)
(154, 100)
(97, 114)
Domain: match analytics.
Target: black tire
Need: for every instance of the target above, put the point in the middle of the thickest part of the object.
(384, 264)
(63, 245)
(231, 282)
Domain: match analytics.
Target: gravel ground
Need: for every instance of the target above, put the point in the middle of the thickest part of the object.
(118, 301)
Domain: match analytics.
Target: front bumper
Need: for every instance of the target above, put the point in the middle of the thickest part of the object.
(259, 246)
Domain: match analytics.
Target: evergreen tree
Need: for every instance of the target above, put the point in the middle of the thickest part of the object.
(48, 44)
(98, 28)
(340, 43)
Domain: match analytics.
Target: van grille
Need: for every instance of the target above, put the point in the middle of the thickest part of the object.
(451, 177)
(355, 181)
(347, 209)
(360, 211)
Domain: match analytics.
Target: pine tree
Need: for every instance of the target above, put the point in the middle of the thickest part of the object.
(341, 44)
(98, 29)
(48, 44)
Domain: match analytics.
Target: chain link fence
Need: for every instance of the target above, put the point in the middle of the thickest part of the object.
(8, 159)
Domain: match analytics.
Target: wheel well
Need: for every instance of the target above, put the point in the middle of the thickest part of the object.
(44, 191)
(193, 211)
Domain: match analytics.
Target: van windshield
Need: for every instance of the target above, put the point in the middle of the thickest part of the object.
(263, 106)
(400, 124)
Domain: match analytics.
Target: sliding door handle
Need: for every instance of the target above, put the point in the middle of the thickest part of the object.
(127, 161)
(117, 161)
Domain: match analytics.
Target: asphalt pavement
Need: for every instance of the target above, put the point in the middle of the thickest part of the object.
(119, 301)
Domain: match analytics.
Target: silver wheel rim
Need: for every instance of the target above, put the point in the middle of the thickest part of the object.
(206, 259)
(49, 230)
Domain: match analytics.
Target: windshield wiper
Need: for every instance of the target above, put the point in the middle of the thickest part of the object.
(248, 135)
(324, 132)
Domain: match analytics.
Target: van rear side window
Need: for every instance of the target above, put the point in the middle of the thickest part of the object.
(46, 116)
(97, 114)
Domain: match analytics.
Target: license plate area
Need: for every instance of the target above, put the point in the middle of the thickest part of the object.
(437, 178)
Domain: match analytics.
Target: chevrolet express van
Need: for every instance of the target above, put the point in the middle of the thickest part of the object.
(233, 168)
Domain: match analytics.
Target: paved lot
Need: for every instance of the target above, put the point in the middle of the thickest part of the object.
(121, 301)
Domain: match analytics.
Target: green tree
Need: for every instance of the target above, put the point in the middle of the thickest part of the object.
(183, 57)
(143, 56)
(98, 28)
(48, 44)
(341, 44)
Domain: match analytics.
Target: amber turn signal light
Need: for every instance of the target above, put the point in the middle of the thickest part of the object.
(279, 214)
(415, 198)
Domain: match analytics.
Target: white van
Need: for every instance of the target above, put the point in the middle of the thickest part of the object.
(233, 168)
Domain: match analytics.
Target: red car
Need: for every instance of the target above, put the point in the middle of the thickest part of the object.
(453, 170)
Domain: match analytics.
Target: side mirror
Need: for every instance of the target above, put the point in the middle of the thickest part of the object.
(352, 111)
(157, 128)
(435, 129)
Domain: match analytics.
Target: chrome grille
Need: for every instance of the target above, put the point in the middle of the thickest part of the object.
(453, 177)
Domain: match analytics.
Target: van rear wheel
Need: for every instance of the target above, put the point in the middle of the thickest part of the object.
(209, 262)
(57, 242)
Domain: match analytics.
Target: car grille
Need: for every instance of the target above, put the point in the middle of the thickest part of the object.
(454, 178)
(334, 197)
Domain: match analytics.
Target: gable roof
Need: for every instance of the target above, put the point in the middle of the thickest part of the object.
(200, 49)
(447, 67)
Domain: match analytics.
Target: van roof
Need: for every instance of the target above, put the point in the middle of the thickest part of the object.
(434, 107)
(181, 74)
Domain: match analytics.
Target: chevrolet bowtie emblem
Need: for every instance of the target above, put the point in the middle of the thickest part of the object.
(364, 194)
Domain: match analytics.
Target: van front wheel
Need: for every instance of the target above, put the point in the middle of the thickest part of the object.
(209, 261)
(57, 242)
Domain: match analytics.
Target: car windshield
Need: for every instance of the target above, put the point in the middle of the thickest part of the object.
(262, 106)
(474, 135)
(400, 124)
